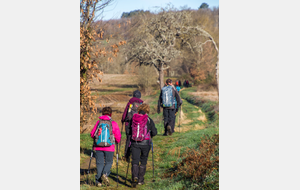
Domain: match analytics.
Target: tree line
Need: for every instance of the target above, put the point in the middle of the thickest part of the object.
(186, 42)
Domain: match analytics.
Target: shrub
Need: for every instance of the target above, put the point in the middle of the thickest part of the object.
(200, 167)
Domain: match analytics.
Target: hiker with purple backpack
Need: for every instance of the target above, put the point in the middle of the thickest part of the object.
(127, 116)
(141, 131)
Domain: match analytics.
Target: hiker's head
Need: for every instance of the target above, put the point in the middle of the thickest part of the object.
(106, 111)
(168, 82)
(137, 94)
(143, 109)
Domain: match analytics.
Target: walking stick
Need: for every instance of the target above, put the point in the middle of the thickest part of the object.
(121, 137)
(179, 118)
(127, 170)
(89, 165)
(153, 180)
(117, 168)
(163, 126)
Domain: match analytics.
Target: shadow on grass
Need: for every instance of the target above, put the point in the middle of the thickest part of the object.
(112, 176)
(86, 151)
(85, 171)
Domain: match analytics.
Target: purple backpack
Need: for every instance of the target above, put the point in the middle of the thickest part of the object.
(139, 127)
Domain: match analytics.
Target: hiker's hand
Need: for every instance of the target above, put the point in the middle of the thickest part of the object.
(158, 110)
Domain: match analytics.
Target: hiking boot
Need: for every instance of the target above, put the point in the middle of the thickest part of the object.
(135, 173)
(134, 182)
(165, 134)
(105, 180)
(142, 171)
(99, 184)
(169, 130)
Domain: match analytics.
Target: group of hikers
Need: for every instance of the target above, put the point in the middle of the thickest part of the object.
(140, 130)
(185, 83)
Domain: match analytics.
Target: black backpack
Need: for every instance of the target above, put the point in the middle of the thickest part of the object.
(132, 110)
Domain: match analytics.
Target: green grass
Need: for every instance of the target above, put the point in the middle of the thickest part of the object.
(206, 106)
(166, 149)
(191, 140)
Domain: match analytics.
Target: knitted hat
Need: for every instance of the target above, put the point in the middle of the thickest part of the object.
(137, 94)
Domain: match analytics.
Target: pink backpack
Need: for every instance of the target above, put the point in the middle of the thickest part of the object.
(139, 127)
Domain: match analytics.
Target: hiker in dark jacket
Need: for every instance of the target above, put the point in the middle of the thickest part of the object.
(169, 112)
(136, 98)
(179, 83)
(140, 149)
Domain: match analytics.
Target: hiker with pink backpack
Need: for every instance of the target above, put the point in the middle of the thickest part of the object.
(106, 134)
(141, 131)
(129, 110)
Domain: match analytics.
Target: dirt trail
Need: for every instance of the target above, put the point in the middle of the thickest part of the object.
(183, 120)
(118, 100)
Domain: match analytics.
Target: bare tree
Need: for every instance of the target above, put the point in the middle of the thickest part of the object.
(159, 38)
(90, 10)
(192, 32)
(88, 66)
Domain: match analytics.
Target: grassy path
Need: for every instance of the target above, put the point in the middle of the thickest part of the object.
(168, 150)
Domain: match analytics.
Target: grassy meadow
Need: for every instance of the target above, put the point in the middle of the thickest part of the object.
(173, 168)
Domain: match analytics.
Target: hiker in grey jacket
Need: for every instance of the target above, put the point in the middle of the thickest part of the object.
(169, 112)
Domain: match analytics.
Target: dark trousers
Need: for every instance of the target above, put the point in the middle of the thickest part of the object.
(169, 118)
(139, 153)
(104, 161)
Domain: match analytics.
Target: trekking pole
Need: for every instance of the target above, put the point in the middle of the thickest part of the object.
(89, 166)
(117, 168)
(121, 137)
(162, 126)
(127, 170)
(153, 180)
(179, 118)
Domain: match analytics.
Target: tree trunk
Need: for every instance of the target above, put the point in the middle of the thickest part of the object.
(217, 74)
(161, 76)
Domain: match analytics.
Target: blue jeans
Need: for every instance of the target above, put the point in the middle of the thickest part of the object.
(103, 167)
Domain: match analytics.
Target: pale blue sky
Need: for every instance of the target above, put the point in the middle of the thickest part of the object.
(115, 10)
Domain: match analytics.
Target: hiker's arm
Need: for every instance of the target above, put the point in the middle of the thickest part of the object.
(127, 128)
(153, 128)
(124, 114)
(178, 99)
(116, 132)
(94, 129)
(159, 103)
